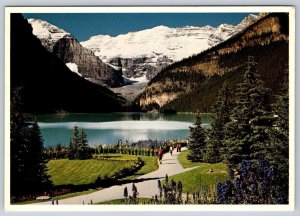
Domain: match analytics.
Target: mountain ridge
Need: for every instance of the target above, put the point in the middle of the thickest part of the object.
(155, 48)
(69, 50)
(47, 84)
(173, 88)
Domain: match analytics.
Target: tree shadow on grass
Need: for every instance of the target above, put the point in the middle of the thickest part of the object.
(70, 188)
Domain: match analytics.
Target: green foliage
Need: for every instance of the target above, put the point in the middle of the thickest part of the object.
(220, 116)
(57, 152)
(37, 172)
(245, 134)
(197, 141)
(78, 148)
(28, 170)
(278, 151)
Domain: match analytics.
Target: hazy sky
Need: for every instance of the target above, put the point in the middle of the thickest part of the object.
(85, 25)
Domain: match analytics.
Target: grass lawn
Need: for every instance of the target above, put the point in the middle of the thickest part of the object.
(182, 158)
(199, 177)
(150, 166)
(79, 172)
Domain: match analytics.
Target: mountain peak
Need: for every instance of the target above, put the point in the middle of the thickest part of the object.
(161, 27)
(248, 20)
(46, 30)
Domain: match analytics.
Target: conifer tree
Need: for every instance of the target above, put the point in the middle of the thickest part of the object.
(28, 165)
(249, 117)
(278, 152)
(84, 149)
(74, 144)
(37, 171)
(220, 116)
(197, 141)
(19, 134)
(78, 148)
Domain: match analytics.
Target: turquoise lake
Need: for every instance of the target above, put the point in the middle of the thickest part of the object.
(108, 128)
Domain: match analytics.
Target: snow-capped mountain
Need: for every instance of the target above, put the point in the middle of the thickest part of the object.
(77, 58)
(146, 52)
(47, 33)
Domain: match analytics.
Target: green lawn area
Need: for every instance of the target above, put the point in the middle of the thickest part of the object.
(78, 172)
(185, 162)
(150, 166)
(199, 177)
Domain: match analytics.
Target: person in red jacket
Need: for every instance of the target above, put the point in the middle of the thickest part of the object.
(160, 154)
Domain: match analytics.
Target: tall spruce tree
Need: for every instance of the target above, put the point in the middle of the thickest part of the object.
(249, 117)
(28, 166)
(37, 172)
(78, 148)
(197, 141)
(19, 134)
(84, 149)
(220, 116)
(74, 144)
(278, 152)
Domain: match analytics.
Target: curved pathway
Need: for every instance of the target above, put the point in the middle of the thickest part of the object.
(147, 187)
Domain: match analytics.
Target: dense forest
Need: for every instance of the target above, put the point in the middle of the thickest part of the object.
(202, 96)
(251, 135)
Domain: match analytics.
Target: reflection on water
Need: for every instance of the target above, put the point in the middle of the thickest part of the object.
(107, 128)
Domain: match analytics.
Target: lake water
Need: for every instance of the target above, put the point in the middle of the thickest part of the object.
(108, 128)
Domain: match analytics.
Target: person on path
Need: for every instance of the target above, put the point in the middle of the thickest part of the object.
(160, 154)
(171, 150)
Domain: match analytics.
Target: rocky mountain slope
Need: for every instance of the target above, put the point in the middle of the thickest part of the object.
(192, 84)
(145, 53)
(78, 58)
(47, 84)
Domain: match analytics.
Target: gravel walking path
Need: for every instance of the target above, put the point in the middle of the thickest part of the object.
(147, 186)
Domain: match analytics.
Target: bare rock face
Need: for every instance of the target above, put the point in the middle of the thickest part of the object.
(79, 59)
(69, 50)
(46, 84)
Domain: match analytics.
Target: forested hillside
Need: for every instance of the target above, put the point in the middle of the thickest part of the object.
(192, 84)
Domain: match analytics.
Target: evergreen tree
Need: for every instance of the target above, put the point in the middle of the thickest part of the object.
(28, 164)
(84, 149)
(78, 148)
(37, 171)
(248, 119)
(220, 116)
(19, 134)
(74, 144)
(278, 152)
(197, 141)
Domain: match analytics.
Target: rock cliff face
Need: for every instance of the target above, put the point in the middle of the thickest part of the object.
(69, 50)
(47, 84)
(79, 59)
(192, 84)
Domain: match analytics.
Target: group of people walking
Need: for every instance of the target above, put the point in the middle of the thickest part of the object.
(178, 148)
(172, 147)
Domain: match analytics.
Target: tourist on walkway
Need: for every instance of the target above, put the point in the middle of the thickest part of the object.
(171, 150)
(160, 154)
